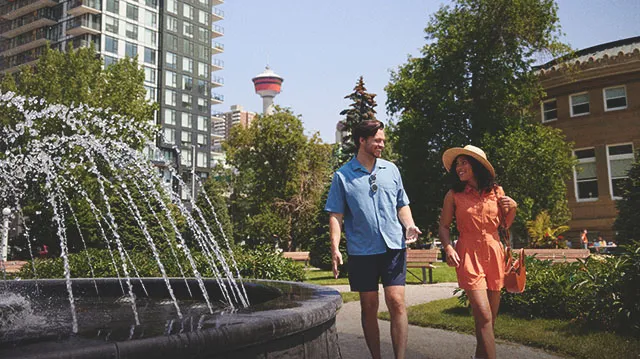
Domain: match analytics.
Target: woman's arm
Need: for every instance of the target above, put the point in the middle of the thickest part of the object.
(508, 206)
(446, 217)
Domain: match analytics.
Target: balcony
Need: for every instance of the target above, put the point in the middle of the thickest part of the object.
(14, 10)
(217, 2)
(217, 14)
(217, 64)
(217, 31)
(217, 81)
(216, 98)
(13, 63)
(81, 7)
(83, 25)
(217, 48)
(217, 115)
(24, 42)
(43, 17)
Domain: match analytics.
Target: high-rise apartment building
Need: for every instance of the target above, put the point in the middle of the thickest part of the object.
(222, 123)
(175, 40)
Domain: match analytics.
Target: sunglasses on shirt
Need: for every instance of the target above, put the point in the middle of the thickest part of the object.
(372, 183)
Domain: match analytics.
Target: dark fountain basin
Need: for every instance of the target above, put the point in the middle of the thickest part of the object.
(284, 320)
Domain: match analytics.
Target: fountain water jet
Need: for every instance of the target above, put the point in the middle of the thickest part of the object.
(54, 149)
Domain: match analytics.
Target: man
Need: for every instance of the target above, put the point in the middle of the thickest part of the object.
(584, 239)
(367, 193)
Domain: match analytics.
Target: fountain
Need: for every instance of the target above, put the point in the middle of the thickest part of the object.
(52, 152)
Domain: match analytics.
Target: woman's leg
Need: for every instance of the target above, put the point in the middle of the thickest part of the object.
(494, 302)
(483, 317)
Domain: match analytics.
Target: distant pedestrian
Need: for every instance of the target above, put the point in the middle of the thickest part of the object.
(367, 194)
(44, 251)
(584, 239)
(476, 201)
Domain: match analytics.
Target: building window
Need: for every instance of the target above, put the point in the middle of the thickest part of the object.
(171, 42)
(619, 159)
(170, 97)
(171, 78)
(186, 101)
(169, 117)
(202, 123)
(203, 34)
(172, 24)
(149, 56)
(186, 157)
(150, 94)
(172, 60)
(202, 105)
(201, 159)
(150, 18)
(187, 11)
(130, 49)
(111, 24)
(132, 12)
(169, 135)
(203, 17)
(187, 65)
(131, 31)
(185, 122)
(586, 181)
(187, 83)
(202, 70)
(113, 6)
(615, 98)
(579, 104)
(187, 47)
(172, 6)
(109, 60)
(150, 37)
(151, 3)
(202, 87)
(185, 138)
(111, 44)
(149, 75)
(187, 29)
(549, 110)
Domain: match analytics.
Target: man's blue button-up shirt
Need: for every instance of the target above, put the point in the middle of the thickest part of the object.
(370, 217)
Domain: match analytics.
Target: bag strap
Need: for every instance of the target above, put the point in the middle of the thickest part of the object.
(503, 232)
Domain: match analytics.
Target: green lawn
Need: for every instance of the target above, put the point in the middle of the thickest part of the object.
(561, 336)
(442, 273)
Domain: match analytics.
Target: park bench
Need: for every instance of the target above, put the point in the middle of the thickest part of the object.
(422, 258)
(298, 256)
(558, 255)
(12, 266)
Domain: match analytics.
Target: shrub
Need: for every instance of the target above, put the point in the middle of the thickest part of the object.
(257, 264)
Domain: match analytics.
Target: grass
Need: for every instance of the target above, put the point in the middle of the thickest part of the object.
(350, 297)
(441, 274)
(561, 336)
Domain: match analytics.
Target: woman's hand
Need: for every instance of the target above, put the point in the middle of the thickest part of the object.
(507, 204)
(453, 260)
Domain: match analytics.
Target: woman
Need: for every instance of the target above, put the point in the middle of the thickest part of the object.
(475, 201)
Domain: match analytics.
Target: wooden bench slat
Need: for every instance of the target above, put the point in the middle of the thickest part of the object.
(298, 256)
(422, 258)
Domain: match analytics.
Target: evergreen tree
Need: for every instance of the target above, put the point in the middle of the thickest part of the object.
(627, 224)
(361, 109)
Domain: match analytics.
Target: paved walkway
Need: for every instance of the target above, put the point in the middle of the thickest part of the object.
(423, 342)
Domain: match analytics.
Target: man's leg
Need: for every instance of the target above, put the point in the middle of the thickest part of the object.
(369, 317)
(394, 297)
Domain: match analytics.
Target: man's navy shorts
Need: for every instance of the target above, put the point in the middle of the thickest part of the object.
(366, 271)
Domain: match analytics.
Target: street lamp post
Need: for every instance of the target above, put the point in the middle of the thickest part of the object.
(5, 232)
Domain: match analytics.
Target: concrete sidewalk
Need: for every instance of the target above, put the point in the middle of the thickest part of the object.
(423, 342)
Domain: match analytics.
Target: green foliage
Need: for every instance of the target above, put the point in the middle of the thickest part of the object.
(539, 185)
(279, 180)
(474, 77)
(601, 292)
(258, 264)
(213, 205)
(543, 235)
(627, 224)
(362, 108)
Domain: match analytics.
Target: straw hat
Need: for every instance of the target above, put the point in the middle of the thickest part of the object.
(472, 151)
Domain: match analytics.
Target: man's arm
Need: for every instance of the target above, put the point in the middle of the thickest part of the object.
(335, 231)
(405, 217)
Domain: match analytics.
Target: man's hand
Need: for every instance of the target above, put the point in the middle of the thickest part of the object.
(336, 259)
(411, 233)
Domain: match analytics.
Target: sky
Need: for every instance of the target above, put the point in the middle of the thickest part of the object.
(321, 48)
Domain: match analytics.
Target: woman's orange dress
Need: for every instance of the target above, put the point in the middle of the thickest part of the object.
(481, 253)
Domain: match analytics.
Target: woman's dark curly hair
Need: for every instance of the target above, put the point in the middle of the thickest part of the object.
(485, 180)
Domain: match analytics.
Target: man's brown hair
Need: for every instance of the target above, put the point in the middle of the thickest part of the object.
(366, 129)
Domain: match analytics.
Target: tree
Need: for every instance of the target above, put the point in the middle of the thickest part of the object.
(279, 180)
(474, 78)
(361, 109)
(627, 224)
(540, 185)
(114, 96)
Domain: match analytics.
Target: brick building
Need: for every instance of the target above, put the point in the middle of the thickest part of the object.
(594, 98)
